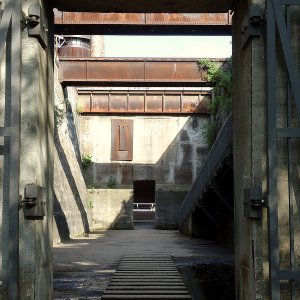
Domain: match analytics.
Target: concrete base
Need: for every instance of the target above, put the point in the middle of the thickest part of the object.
(111, 208)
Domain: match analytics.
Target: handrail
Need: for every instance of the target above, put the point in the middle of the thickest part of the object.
(142, 206)
(215, 157)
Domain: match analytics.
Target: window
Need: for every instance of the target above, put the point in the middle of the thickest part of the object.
(121, 139)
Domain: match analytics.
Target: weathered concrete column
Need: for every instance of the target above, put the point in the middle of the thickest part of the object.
(250, 157)
(36, 163)
(249, 152)
(97, 46)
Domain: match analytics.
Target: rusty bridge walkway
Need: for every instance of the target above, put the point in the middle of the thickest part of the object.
(146, 277)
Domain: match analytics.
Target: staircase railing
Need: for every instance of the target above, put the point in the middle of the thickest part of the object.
(219, 151)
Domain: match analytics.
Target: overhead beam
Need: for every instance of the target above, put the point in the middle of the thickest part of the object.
(142, 23)
(147, 6)
(133, 71)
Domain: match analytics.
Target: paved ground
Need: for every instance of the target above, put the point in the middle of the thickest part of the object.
(83, 266)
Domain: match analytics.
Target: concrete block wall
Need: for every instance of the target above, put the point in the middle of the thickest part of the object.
(111, 208)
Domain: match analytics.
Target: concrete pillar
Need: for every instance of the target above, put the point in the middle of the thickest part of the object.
(36, 165)
(249, 153)
(97, 46)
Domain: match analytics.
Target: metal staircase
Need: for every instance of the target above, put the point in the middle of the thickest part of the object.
(221, 150)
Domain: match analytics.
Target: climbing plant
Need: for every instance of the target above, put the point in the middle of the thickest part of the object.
(86, 160)
(220, 77)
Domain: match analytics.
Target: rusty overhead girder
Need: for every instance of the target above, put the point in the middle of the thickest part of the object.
(142, 23)
(132, 71)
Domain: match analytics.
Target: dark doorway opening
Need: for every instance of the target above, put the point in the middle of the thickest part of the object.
(144, 200)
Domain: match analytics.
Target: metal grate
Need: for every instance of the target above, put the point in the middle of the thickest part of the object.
(146, 277)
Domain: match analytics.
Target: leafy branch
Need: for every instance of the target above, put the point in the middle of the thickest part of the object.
(220, 77)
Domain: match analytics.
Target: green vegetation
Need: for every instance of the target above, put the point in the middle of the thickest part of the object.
(210, 131)
(220, 106)
(112, 182)
(90, 202)
(86, 160)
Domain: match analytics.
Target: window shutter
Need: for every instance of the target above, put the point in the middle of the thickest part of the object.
(121, 139)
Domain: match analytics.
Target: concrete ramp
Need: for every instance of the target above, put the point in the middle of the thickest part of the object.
(146, 277)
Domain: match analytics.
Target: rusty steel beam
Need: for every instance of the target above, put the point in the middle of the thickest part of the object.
(142, 23)
(141, 18)
(138, 71)
(143, 102)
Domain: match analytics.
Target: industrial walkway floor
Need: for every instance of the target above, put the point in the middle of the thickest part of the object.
(146, 277)
(84, 266)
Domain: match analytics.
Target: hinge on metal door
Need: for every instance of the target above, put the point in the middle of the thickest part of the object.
(35, 24)
(252, 26)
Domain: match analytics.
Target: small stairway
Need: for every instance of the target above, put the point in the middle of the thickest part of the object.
(146, 277)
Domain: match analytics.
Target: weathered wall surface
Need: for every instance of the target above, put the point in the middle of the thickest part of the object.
(169, 150)
(167, 205)
(72, 215)
(111, 208)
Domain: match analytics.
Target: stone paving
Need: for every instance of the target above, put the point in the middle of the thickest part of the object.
(84, 266)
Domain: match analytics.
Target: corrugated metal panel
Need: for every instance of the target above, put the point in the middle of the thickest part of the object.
(172, 103)
(136, 103)
(157, 103)
(83, 103)
(194, 104)
(118, 103)
(153, 103)
(99, 103)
